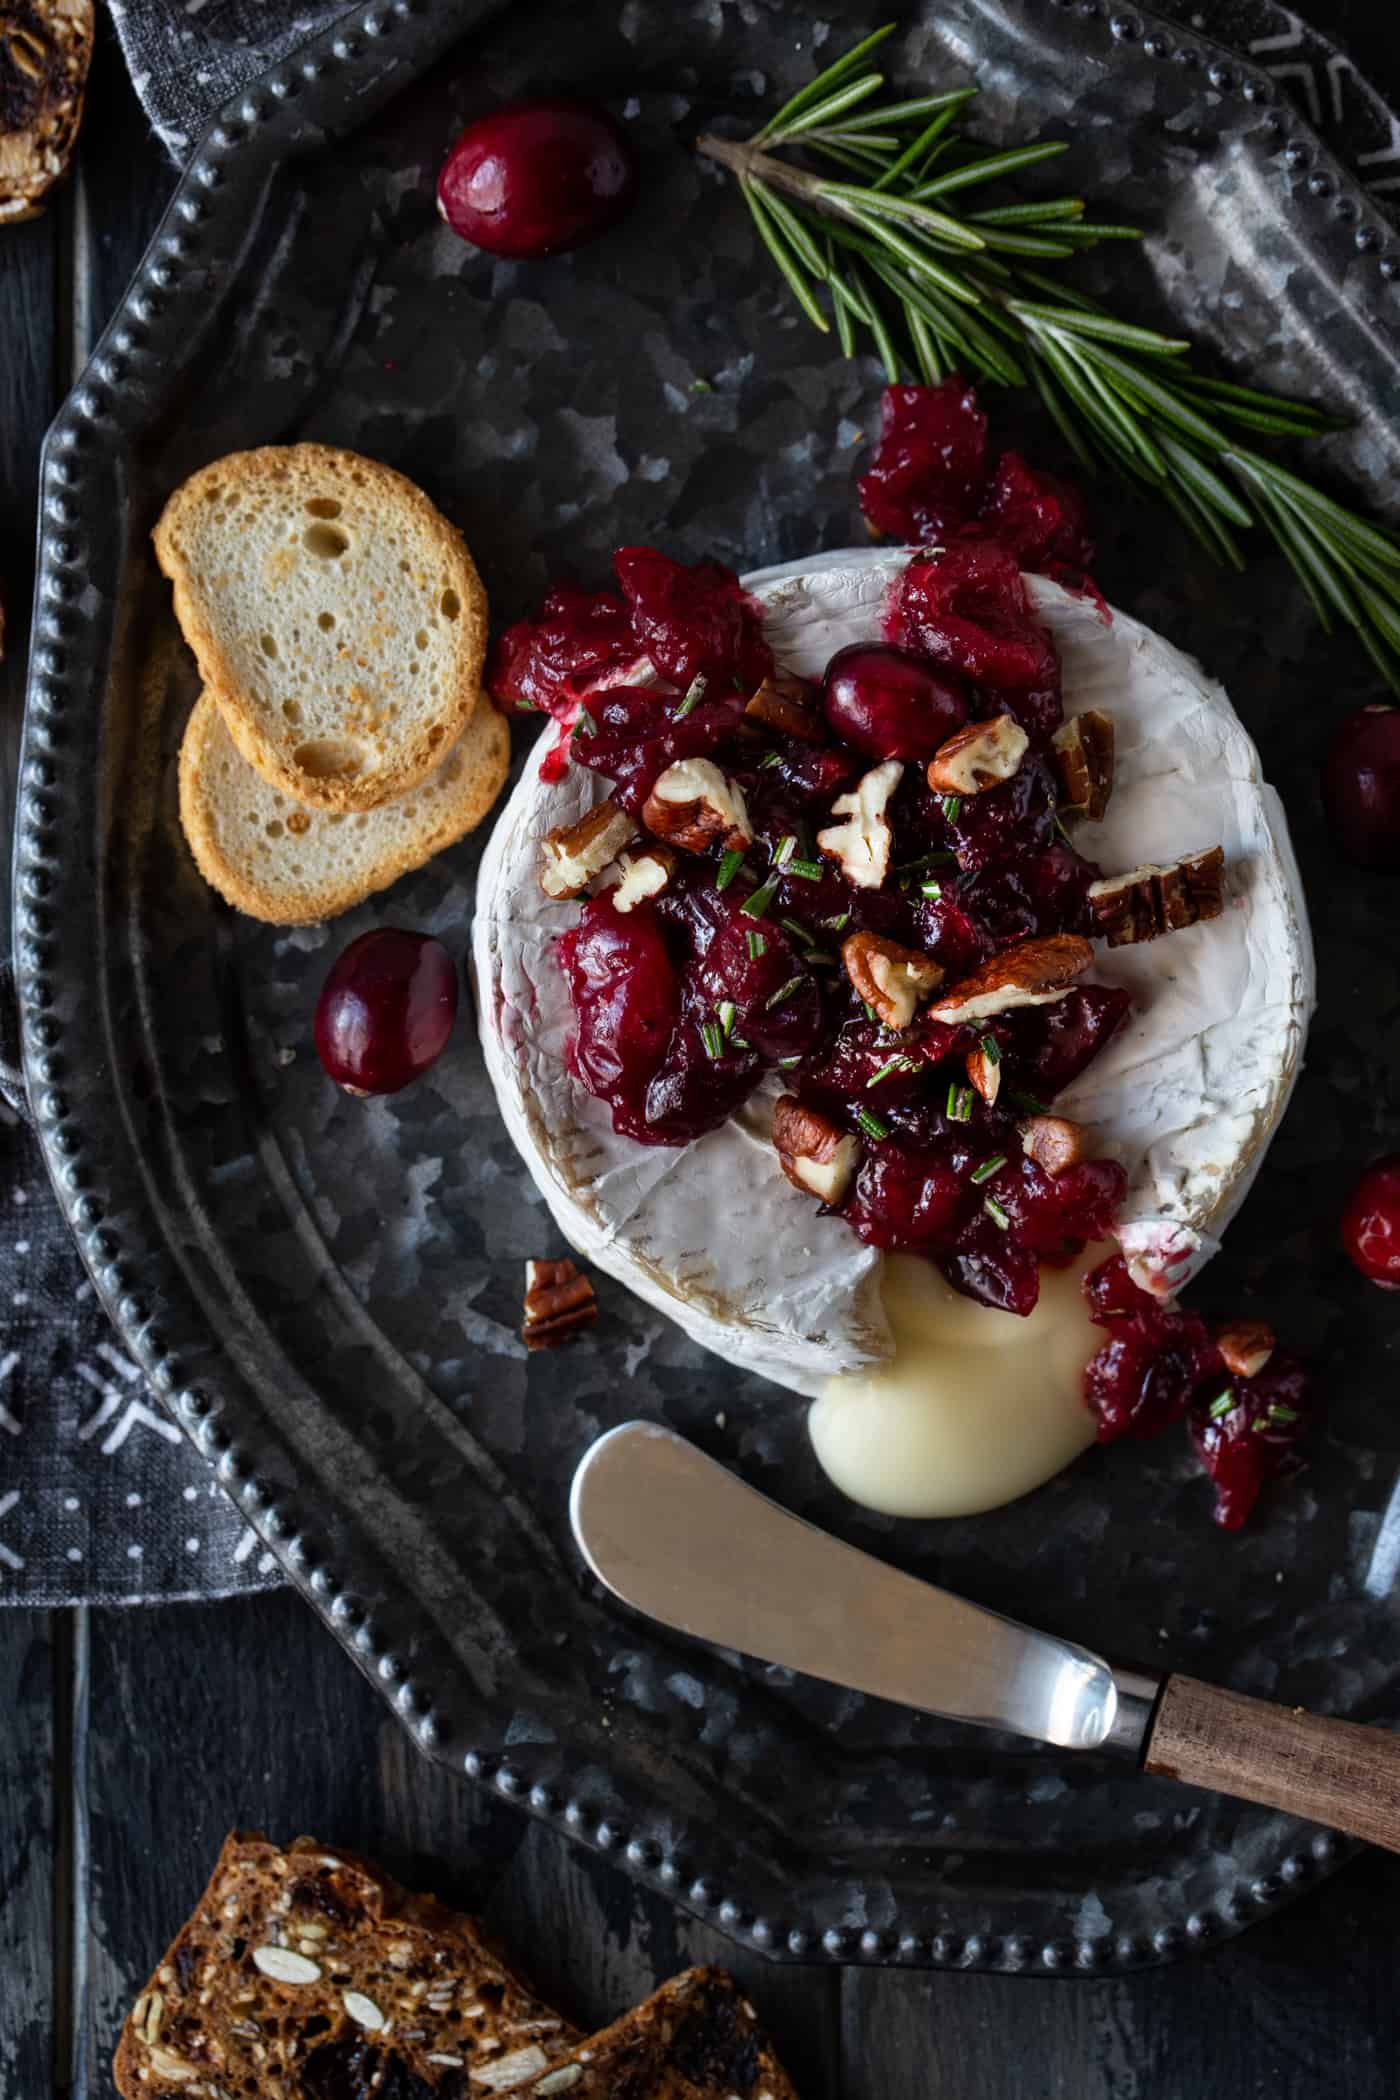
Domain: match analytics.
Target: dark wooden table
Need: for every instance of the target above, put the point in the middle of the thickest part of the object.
(130, 1741)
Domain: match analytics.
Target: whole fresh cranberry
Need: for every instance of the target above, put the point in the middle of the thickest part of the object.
(386, 1011)
(907, 1200)
(1371, 1223)
(889, 703)
(1361, 786)
(990, 1264)
(535, 177)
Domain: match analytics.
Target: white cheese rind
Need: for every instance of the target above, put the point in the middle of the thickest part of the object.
(1187, 1095)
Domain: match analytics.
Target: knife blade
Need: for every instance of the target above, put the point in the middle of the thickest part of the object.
(676, 1535)
(679, 1537)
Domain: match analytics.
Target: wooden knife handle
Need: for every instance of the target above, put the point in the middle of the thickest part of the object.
(1332, 1772)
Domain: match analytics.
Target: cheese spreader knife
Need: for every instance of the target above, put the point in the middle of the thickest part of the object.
(679, 1537)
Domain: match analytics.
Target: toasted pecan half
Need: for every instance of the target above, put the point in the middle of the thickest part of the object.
(1034, 973)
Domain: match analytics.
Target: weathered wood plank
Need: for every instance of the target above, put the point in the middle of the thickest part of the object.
(27, 1925)
(247, 1714)
(1303, 2006)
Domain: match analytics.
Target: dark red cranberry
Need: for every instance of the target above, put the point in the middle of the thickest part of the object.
(1052, 1045)
(694, 620)
(1248, 1432)
(947, 929)
(1371, 1223)
(1111, 1294)
(386, 1010)
(626, 1000)
(694, 1089)
(930, 463)
(887, 703)
(1045, 891)
(864, 1066)
(1057, 1215)
(1011, 820)
(637, 731)
(547, 663)
(990, 1264)
(967, 609)
(1143, 1378)
(1043, 520)
(532, 178)
(805, 776)
(904, 1200)
(756, 970)
(1361, 786)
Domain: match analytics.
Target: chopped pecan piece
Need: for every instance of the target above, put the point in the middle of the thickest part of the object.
(862, 843)
(1053, 1142)
(693, 806)
(572, 854)
(559, 1301)
(1149, 901)
(814, 1153)
(1246, 1346)
(892, 980)
(984, 1069)
(644, 875)
(1034, 973)
(977, 756)
(1084, 761)
(788, 703)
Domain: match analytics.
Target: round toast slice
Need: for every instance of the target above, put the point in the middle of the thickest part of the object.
(277, 860)
(336, 617)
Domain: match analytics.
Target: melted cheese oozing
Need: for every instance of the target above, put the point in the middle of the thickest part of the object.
(974, 1408)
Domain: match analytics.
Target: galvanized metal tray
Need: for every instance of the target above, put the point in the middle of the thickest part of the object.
(326, 1293)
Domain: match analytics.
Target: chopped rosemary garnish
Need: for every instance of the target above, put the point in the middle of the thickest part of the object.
(991, 1049)
(740, 1042)
(820, 958)
(989, 1167)
(1221, 1404)
(898, 1063)
(785, 1064)
(959, 1107)
(694, 694)
(798, 931)
(996, 1213)
(871, 1125)
(839, 923)
(951, 805)
(728, 1014)
(870, 1013)
(1057, 824)
(784, 993)
(1028, 1102)
(1279, 1414)
(931, 889)
(712, 1037)
(730, 862)
(584, 724)
(756, 905)
(809, 870)
(941, 284)
(757, 946)
(774, 758)
(784, 850)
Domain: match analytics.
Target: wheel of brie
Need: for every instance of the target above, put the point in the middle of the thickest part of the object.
(928, 1403)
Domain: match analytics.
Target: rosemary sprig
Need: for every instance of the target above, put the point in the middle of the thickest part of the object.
(900, 247)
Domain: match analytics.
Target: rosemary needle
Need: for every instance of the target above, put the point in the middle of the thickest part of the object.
(869, 226)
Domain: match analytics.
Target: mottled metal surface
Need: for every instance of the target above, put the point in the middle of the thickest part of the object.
(327, 1292)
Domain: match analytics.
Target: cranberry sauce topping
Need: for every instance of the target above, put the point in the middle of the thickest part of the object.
(1248, 1404)
(1371, 1223)
(930, 481)
(1248, 1431)
(810, 867)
